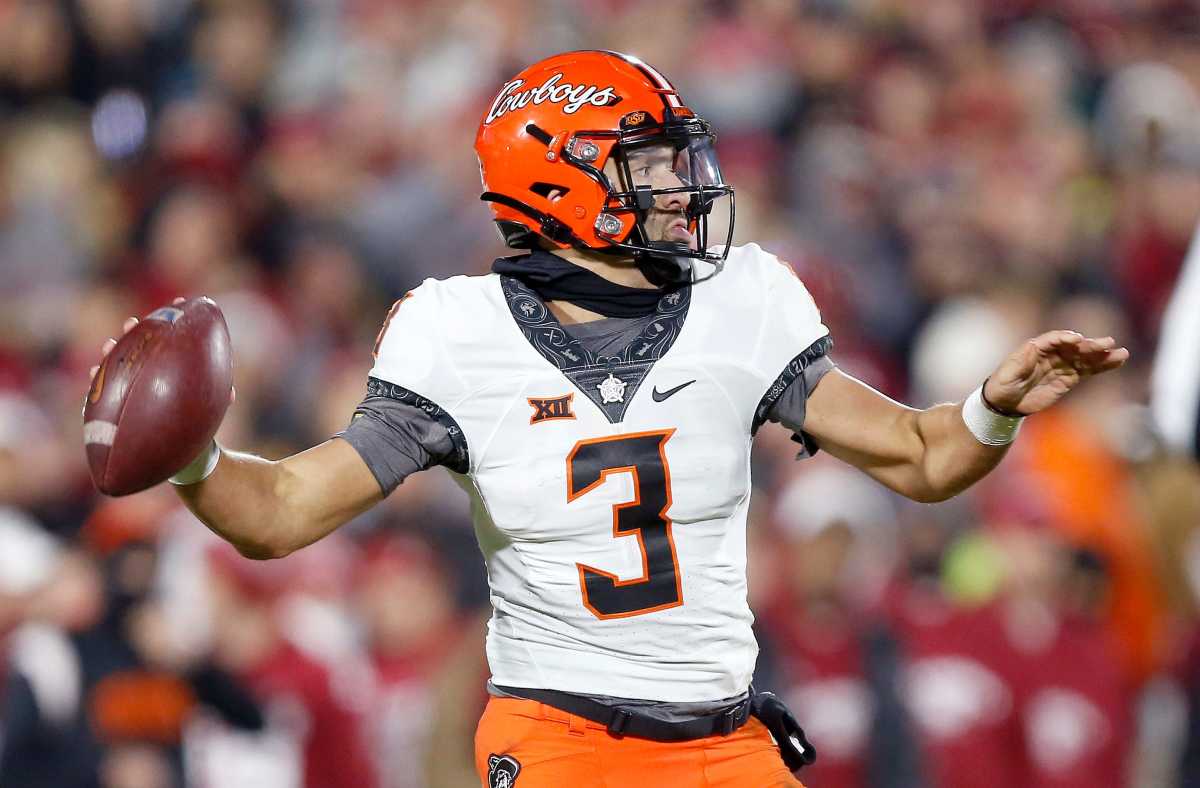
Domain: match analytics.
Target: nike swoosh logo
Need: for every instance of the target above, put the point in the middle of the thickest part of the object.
(659, 396)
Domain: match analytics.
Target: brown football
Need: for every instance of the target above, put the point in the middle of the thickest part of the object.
(158, 397)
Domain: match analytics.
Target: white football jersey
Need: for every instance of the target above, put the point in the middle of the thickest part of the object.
(609, 494)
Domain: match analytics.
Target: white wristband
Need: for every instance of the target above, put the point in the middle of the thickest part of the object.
(988, 427)
(200, 468)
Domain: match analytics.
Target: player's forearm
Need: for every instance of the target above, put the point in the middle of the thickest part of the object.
(244, 502)
(952, 459)
(267, 509)
(926, 455)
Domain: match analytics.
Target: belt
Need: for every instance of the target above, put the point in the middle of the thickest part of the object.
(624, 721)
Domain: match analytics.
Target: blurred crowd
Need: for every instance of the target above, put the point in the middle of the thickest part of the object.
(948, 177)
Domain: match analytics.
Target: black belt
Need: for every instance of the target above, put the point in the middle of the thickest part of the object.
(624, 721)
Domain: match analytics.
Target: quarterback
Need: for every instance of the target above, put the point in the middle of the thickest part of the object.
(596, 397)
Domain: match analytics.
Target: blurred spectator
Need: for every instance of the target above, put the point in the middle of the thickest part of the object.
(945, 177)
(1074, 704)
(407, 645)
(958, 673)
(837, 668)
(37, 47)
(314, 734)
(97, 689)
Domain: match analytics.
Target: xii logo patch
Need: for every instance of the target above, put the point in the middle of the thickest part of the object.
(502, 771)
(551, 408)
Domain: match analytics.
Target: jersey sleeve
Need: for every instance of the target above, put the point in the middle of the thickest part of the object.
(410, 350)
(396, 439)
(411, 392)
(792, 338)
(791, 407)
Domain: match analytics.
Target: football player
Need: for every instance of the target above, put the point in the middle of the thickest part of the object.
(596, 397)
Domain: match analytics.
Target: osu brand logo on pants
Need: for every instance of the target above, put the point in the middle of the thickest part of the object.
(502, 771)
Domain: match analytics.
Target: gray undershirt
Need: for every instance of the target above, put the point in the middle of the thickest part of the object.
(608, 336)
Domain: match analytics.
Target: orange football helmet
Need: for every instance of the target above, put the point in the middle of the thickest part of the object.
(548, 135)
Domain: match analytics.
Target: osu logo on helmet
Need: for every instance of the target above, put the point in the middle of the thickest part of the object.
(554, 155)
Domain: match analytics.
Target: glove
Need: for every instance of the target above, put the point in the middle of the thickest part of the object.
(793, 745)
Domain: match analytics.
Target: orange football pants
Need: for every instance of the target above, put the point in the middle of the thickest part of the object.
(554, 749)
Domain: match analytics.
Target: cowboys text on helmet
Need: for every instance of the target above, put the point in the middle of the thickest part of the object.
(572, 97)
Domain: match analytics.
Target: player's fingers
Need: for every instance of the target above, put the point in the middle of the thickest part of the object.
(1089, 345)
(1054, 339)
(1094, 349)
(178, 300)
(1101, 361)
(128, 325)
(107, 347)
(1111, 360)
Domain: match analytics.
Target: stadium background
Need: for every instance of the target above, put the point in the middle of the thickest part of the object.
(947, 176)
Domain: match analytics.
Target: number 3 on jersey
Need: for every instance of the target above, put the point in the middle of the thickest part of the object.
(642, 454)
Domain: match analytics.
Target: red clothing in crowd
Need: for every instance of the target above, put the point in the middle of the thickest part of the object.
(311, 729)
(822, 679)
(958, 686)
(403, 699)
(1074, 709)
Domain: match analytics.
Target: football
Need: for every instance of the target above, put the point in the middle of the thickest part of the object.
(158, 397)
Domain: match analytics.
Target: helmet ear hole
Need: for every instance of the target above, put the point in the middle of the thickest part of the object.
(543, 189)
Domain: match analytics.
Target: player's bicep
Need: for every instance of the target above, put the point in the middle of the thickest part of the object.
(862, 427)
(325, 487)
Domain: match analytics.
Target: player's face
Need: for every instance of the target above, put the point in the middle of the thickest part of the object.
(659, 166)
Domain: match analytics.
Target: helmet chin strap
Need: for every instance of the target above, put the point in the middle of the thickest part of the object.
(664, 265)
(666, 262)
(664, 269)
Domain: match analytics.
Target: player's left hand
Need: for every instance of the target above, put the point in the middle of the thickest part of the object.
(1046, 367)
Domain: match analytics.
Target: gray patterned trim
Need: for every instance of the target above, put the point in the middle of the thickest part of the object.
(790, 372)
(459, 462)
(582, 367)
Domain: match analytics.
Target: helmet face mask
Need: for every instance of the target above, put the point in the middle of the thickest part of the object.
(635, 175)
(669, 181)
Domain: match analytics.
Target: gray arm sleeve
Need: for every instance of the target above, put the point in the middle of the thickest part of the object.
(791, 406)
(396, 439)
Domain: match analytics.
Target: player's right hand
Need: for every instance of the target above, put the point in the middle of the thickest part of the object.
(158, 397)
(110, 343)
